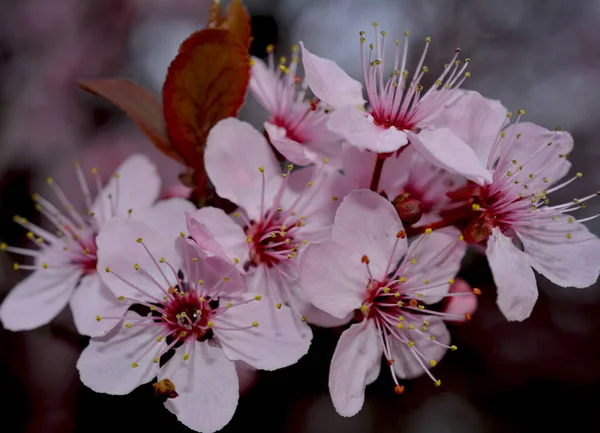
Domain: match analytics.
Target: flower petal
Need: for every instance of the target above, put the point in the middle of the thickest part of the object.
(119, 251)
(437, 259)
(137, 187)
(358, 128)
(367, 224)
(167, 216)
(534, 140)
(444, 149)
(330, 280)
(229, 235)
(280, 340)
(106, 364)
(568, 262)
(234, 153)
(92, 299)
(292, 150)
(204, 238)
(329, 82)
(38, 299)
(406, 360)
(207, 385)
(514, 278)
(460, 305)
(357, 355)
(263, 84)
(475, 120)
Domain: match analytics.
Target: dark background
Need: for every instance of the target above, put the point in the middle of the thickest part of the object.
(542, 56)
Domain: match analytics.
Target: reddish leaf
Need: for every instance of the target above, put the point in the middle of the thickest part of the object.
(236, 20)
(205, 83)
(139, 104)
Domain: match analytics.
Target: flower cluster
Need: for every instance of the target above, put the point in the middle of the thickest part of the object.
(346, 215)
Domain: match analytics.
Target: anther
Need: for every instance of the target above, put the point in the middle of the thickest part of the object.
(398, 389)
(365, 259)
(476, 291)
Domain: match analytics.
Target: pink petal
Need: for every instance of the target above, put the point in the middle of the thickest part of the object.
(358, 128)
(167, 216)
(514, 278)
(234, 153)
(438, 257)
(176, 190)
(38, 299)
(119, 251)
(229, 235)
(460, 305)
(573, 262)
(330, 280)
(211, 269)
(406, 364)
(359, 164)
(475, 120)
(279, 340)
(533, 139)
(137, 188)
(207, 385)
(92, 299)
(318, 202)
(329, 82)
(106, 364)
(204, 238)
(357, 355)
(444, 149)
(367, 224)
(292, 150)
(262, 85)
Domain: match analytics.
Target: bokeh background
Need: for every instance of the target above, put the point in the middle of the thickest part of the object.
(539, 55)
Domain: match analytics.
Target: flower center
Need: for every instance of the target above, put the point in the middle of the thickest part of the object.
(187, 313)
(272, 242)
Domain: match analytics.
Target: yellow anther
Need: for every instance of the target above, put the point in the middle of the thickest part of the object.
(428, 231)
(467, 74)
(139, 240)
(453, 347)
(249, 239)
(201, 282)
(236, 261)
(433, 362)
(427, 39)
(411, 344)
(386, 290)
(186, 356)
(162, 260)
(426, 282)
(156, 360)
(432, 338)
(411, 326)
(136, 267)
(475, 207)
(128, 325)
(309, 184)
(278, 305)
(258, 297)
(438, 383)
(569, 235)
(451, 281)
(401, 318)
(423, 328)
(521, 112)
(364, 308)
(134, 364)
(107, 269)
(261, 169)
(396, 295)
(413, 261)
(400, 326)
(579, 174)
(45, 265)
(255, 324)
(98, 318)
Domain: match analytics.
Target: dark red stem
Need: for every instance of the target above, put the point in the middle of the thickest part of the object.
(377, 173)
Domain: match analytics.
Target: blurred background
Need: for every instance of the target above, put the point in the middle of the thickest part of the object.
(539, 55)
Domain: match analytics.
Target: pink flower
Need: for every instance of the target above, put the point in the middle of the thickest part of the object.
(527, 161)
(278, 214)
(297, 127)
(401, 112)
(358, 270)
(64, 268)
(192, 320)
(405, 176)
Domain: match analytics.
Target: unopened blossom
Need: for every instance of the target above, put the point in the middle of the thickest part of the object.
(193, 318)
(359, 270)
(401, 111)
(528, 161)
(279, 213)
(297, 124)
(64, 261)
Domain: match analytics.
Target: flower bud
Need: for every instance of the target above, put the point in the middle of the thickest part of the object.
(478, 230)
(409, 209)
